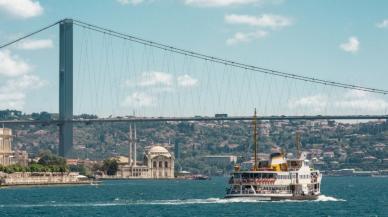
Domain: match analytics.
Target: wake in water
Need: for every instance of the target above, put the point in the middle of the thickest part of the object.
(321, 198)
(328, 198)
(118, 202)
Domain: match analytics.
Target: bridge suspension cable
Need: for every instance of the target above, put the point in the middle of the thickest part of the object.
(204, 57)
(225, 61)
(29, 35)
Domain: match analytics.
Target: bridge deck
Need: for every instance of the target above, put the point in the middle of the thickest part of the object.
(231, 118)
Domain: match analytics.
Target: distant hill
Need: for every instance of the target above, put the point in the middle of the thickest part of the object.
(334, 145)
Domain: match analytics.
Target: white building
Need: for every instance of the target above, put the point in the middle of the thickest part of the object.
(7, 156)
(221, 160)
(158, 163)
(5, 146)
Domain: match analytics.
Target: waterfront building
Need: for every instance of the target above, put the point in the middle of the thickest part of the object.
(158, 163)
(5, 146)
(42, 178)
(20, 157)
(220, 160)
(7, 156)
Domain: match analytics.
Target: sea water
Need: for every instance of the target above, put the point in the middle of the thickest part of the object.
(341, 196)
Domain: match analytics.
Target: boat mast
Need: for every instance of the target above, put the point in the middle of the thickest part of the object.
(255, 140)
(130, 140)
(134, 146)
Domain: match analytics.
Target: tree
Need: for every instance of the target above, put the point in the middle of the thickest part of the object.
(79, 168)
(34, 167)
(186, 127)
(54, 162)
(43, 116)
(110, 166)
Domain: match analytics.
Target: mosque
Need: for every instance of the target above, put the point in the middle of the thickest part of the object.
(158, 163)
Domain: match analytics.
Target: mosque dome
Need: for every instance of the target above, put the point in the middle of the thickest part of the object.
(159, 150)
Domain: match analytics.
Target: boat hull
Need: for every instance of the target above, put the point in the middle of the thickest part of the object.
(272, 197)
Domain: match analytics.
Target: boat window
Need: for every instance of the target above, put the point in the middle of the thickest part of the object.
(245, 175)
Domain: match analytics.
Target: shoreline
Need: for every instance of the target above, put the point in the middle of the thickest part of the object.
(43, 178)
(49, 184)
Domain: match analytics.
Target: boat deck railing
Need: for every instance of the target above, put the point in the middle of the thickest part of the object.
(257, 181)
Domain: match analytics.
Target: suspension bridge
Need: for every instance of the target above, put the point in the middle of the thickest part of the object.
(164, 87)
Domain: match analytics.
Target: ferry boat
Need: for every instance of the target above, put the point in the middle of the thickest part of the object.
(278, 178)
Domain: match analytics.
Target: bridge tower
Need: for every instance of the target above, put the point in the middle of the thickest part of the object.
(65, 86)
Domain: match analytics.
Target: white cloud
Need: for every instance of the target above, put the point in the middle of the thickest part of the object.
(156, 78)
(207, 3)
(355, 94)
(24, 82)
(138, 99)
(12, 100)
(13, 92)
(186, 81)
(351, 46)
(12, 65)
(218, 3)
(361, 100)
(265, 20)
(35, 44)
(348, 102)
(364, 104)
(161, 81)
(382, 24)
(132, 2)
(21, 8)
(241, 37)
(314, 103)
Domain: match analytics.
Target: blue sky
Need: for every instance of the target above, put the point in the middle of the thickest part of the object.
(345, 41)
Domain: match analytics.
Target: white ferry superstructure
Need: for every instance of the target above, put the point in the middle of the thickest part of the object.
(282, 179)
(278, 178)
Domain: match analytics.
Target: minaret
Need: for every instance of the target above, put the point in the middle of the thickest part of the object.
(130, 145)
(134, 147)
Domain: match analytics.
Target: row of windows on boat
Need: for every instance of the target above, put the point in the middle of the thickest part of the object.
(281, 188)
(269, 176)
(262, 190)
